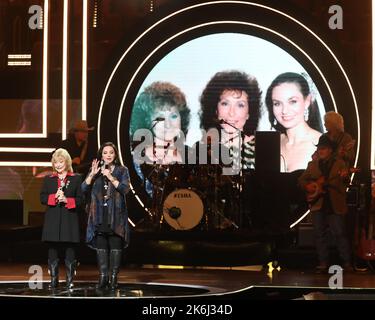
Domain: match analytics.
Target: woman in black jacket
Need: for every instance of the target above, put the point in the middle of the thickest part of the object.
(61, 192)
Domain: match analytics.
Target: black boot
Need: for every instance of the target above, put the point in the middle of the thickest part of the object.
(114, 263)
(102, 256)
(53, 267)
(70, 267)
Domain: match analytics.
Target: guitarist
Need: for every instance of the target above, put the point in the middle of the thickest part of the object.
(328, 207)
(334, 123)
(345, 144)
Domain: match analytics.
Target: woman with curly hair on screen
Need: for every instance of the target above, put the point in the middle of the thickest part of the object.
(230, 102)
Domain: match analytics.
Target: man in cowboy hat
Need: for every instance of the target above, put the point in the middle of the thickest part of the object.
(79, 147)
(326, 179)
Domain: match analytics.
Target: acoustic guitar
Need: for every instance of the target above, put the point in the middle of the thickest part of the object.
(316, 189)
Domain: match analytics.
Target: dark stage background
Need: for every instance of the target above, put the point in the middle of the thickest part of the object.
(127, 46)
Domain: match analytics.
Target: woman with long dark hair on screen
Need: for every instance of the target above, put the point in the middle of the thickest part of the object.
(230, 102)
(230, 110)
(61, 192)
(107, 229)
(293, 112)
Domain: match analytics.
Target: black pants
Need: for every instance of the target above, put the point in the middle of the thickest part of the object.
(109, 241)
(55, 249)
(335, 223)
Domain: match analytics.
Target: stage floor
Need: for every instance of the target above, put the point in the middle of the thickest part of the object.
(250, 282)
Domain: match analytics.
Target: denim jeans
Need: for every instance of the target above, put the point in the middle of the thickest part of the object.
(335, 223)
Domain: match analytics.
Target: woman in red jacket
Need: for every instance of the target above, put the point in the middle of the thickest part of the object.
(61, 192)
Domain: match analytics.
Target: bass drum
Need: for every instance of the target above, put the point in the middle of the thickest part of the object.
(183, 209)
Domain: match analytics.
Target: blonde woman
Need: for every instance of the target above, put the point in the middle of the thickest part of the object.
(61, 193)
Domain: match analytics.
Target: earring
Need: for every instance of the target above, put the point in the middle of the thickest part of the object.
(274, 122)
(306, 114)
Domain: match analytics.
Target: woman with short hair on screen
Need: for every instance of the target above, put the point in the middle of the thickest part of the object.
(293, 112)
(230, 102)
(162, 109)
(61, 192)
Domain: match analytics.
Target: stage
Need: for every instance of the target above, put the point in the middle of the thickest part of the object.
(179, 282)
(215, 142)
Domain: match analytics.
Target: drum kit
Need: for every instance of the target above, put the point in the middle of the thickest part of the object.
(193, 197)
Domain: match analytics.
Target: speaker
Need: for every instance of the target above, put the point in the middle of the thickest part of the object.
(11, 212)
(267, 151)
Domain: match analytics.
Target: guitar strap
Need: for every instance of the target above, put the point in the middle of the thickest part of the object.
(326, 167)
(340, 138)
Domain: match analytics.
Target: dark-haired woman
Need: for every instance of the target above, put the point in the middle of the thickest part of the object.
(107, 230)
(293, 112)
(230, 102)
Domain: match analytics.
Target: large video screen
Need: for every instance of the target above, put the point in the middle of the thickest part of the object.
(201, 106)
(238, 84)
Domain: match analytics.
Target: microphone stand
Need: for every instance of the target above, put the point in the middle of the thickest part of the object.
(156, 165)
(155, 184)
(157, 120)
(154, 168)
(161, 195)
(242, 135)
(153, 126)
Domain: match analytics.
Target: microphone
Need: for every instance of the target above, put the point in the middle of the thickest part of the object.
(155, 122)
(159, 119)
(219, 121)
(62, 185)
(103, 164)
(222, 121)
(106, 166)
